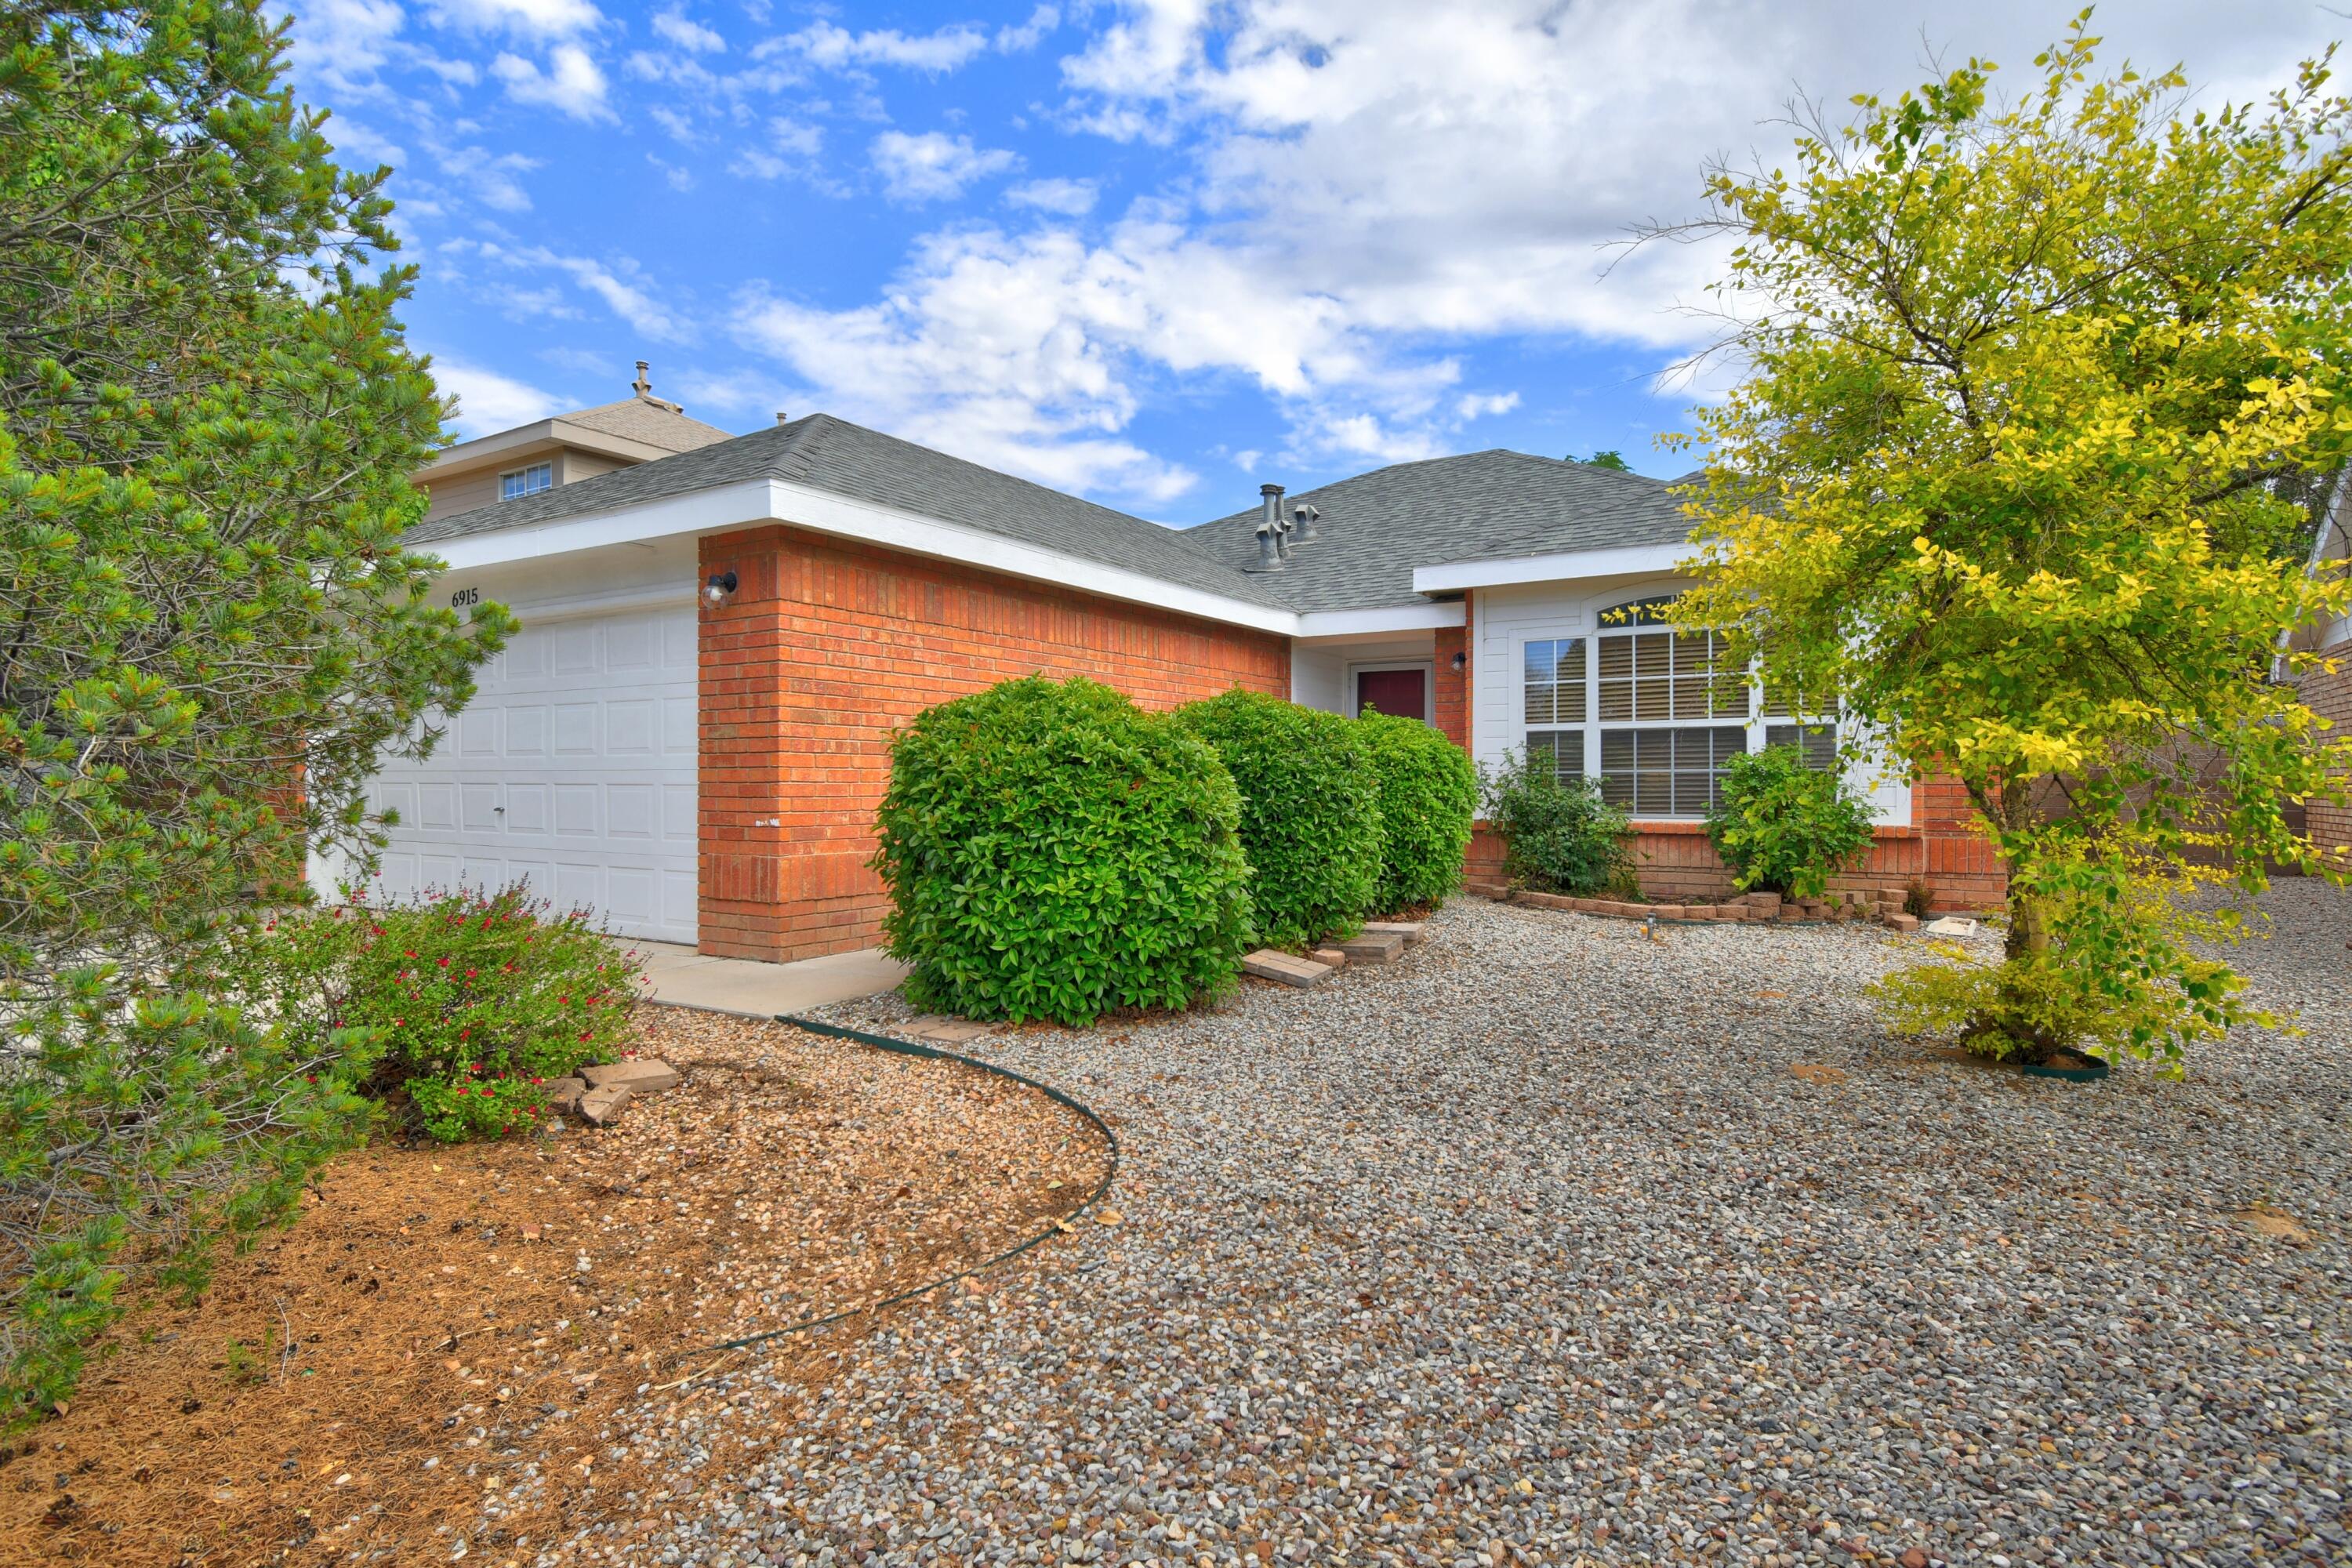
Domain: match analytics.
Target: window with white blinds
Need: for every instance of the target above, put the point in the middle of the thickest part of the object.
(1651, 713)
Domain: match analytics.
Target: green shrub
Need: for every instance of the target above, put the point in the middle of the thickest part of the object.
(1429, 797)
(472, 999)
(1783, 827)
(1311, 812)
(1054, 852)
(1557, 838)
(136, 1132)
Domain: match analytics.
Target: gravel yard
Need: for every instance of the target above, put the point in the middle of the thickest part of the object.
(1537, 1248)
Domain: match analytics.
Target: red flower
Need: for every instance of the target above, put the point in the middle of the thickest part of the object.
(469, 974)
(443, 961)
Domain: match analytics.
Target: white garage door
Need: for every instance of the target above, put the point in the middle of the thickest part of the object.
(573, 769)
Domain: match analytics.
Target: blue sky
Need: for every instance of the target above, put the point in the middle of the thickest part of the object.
(1155, 252)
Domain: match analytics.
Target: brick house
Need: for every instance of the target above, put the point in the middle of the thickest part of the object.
(2326, 691)
(690, 734)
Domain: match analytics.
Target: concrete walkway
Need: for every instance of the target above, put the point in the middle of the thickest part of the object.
(682, 977)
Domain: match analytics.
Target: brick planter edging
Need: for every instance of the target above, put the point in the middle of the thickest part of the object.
(1882, 906)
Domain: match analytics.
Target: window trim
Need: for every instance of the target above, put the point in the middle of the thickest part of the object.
(1588, 625)
(523, 473)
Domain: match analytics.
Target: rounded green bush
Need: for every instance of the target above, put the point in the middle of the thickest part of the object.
(1311, 812)
(1054, 852)
(1558, 838)
(1785, 827)
(1428, 796)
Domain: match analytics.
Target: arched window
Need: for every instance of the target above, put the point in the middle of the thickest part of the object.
(1651, 712)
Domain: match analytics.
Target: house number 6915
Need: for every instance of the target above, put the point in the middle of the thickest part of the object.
(465, 596)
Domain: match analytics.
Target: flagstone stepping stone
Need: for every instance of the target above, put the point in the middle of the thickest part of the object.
(1371, 948)
(1267, 964)
(1409, 929)
(602, 1107)
(642, 1076)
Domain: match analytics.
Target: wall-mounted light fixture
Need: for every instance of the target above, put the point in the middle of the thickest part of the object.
(1461, 662)
(720, 589)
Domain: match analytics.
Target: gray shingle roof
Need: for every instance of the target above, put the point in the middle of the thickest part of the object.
(650, 420)
(834, 456)
(1378, 526)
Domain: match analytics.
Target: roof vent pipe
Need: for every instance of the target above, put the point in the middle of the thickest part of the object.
(1272, 544)
(1305, 517)
(1275, 523)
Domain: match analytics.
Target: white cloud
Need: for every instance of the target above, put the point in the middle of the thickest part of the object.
(491, 176)
(934, 165)
(789, 149)
(834, 48)
(1071, 198)
(686, 33)
(678, 177)
(1029, 34)
(524, 18)
(623, 286)
(488, 402)
(347, 42)
(571, 81)
(1479, 406)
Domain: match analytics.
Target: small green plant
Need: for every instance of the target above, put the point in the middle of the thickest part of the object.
(1918, 899)
(1428, 797)
(136, 1130)
(1782, 827)
(468, 1000)
(1052, 852)
(2039, 1004)
(1558, 837)
(1310, 819)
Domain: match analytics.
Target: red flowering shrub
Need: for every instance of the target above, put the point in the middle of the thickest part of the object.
(469, 1000)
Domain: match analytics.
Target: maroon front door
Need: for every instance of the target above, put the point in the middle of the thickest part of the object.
(1400, 693)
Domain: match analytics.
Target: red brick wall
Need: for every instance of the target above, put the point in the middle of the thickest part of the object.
(1452, 698)
(2330, 696)
(826, 648)
(1676, 864)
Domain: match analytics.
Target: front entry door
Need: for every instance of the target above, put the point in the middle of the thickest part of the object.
(1400, 693)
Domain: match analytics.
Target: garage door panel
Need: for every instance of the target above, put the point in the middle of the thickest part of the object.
(526, 732)
(477, 733)
(575, 809)
(526, 810)
(525, 657)
(630, 728)
(681, 645)
(629, 812)
(581, 742)
(632, 644)
(575, 729)
(480, 808)
(678, 727)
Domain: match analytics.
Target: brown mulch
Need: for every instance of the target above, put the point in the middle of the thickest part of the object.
(451, 1327)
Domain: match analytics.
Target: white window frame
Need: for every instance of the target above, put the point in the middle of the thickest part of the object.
(525, 473)
(1428, 668)
(1754, 727)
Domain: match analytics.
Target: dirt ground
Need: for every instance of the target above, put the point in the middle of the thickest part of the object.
(447, 1325)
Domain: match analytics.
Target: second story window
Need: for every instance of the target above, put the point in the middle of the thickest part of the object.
(517, 483)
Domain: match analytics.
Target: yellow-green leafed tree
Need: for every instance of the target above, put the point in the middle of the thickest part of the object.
(2031, 394)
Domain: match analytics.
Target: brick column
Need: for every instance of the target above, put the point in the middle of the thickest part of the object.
(739, 753)
(1452, 686)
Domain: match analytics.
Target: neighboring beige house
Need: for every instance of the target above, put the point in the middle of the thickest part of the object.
(562, 451)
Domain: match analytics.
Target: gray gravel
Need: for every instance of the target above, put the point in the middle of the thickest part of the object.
(1535, 1248)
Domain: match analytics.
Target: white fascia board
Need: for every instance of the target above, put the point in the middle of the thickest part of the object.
(851, 519)
(1565, 566)
(753, 503)
(1393, 618)
(715, 511)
